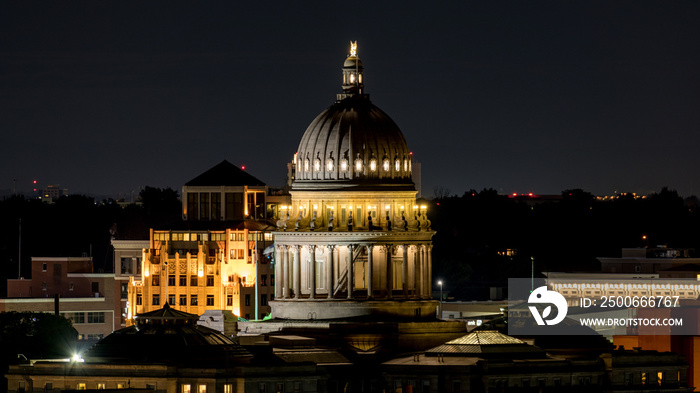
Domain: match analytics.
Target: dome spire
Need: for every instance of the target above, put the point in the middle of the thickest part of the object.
(352, 72)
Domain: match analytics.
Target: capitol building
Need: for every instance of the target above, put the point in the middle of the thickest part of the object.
(353, 241)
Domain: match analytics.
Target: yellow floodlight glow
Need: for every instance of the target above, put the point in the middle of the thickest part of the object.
(200, 273)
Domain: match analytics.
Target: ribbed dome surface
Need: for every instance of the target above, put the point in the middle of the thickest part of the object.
(352, 62)
(353, 141)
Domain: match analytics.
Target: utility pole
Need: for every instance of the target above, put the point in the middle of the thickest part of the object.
(19, 252)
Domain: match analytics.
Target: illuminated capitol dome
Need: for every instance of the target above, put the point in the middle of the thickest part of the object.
(353, 144)
(353, 241)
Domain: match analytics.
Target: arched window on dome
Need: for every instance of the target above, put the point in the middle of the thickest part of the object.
(386, 164)
(405, 165)
(373, 164)
(358, 165)
(317, 165)
(330, 165)
(397, 165)
(306, 165)
(344, 165)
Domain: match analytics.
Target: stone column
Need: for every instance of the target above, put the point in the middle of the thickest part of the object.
(285, 273)
(389, 272)
(351, 273)
(279, 282)
(404, 271)
(330, 282)
(418, 272)
(429, 267)
(297, 271)
(312, 271)
(370, 266)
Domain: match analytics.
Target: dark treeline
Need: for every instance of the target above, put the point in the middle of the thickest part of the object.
(474, 232)
(77, 225)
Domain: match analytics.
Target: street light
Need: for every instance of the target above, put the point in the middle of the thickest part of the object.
(440, 284)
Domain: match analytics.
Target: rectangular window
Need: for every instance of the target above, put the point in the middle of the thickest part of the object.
(247, 300)
(272, 280)
(156, 299)
(210, 300)
(193, 300)
(261, 387)
(204, 206)
(48, 387)
(71, 286)
(139, 299)
(426, 386)
(263, 280)
(229, 300)
(228, 388)
(171, 300)
(210, 280)
(100, 386)
(457, 386)
(43, 267)
(183, 280)
(215, 206)
(201, 388)
(95, 286)
(186, 388)
(193, 280)
(96, 317)
(80, 386)
(183, 300)
(155, 280)
(263, 300)
(120, 386)
(192, 206)
(280, 388)
(124, 290)
(171, 280)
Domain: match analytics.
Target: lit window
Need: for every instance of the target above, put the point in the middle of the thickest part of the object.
(100, 386)
(201, 388)
(329, 165)
(397, 165)
(386, 165)
(373, 165)
(306, 165)
(186, 388)
(352, 78)
(317, 165)
(344, 165)
(228, 388)
(405, 165)
(80, 386)
(358, 165)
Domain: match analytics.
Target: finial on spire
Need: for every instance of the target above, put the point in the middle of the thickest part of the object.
(353, 48)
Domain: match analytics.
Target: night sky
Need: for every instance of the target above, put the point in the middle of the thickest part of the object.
(520, 96)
